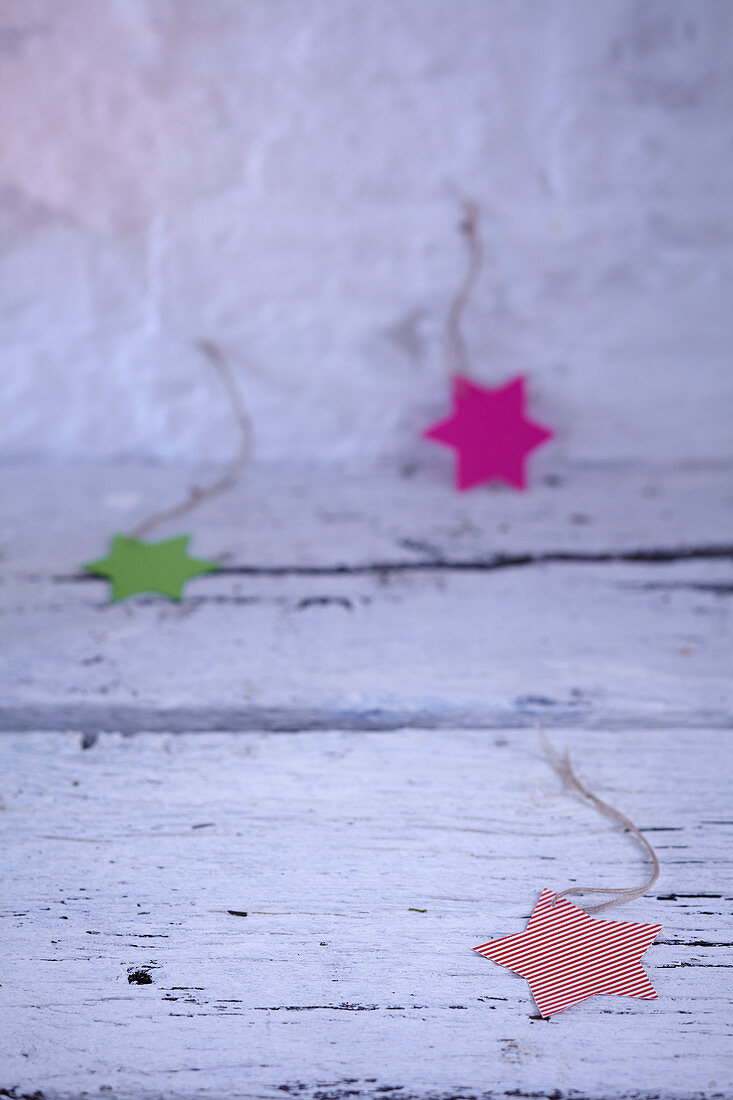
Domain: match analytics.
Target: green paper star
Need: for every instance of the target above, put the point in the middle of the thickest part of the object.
(135, 566)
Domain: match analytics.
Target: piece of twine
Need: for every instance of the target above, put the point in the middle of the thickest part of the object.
(198, 495)
(564, 769)
(456, 356)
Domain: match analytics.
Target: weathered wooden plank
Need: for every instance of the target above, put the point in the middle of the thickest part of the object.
(583, 644)
(131, 854)
(405, 620)
(55, 517)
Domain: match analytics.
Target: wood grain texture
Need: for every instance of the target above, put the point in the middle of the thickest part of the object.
(375, 602)
(601, 601)
(131, 855)
(56, 516)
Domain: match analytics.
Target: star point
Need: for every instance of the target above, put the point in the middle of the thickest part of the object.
(134, 566)
(490, 432)
(567, 955)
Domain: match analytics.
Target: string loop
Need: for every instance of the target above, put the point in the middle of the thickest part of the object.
(563, 767)
(455, 346)
(198, 495)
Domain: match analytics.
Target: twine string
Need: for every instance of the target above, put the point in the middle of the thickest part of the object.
(563, 767)
(198, 495)
(455, 346)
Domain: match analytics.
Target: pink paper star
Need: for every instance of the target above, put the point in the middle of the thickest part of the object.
(566, 956)
(490, 432)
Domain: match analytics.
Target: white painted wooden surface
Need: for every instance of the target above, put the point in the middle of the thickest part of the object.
(375, 601)
(599, 602)
(130, 854)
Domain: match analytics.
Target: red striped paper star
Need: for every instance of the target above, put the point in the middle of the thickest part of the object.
(566, 955)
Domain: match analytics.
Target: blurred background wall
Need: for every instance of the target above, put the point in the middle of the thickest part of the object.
(284, 177)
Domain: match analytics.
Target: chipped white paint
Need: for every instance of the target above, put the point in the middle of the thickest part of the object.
(284, 178)
(424, 642)
(58, 515)
(602, 597)
(131, 853)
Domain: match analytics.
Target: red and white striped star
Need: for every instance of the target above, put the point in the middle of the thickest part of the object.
(566, 955)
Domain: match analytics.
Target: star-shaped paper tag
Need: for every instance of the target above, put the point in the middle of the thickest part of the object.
(566, 955)
(490, 432)
(135, 566)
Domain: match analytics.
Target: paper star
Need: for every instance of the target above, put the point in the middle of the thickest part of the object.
(490, 432)
(566, 956)
(135, 566)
